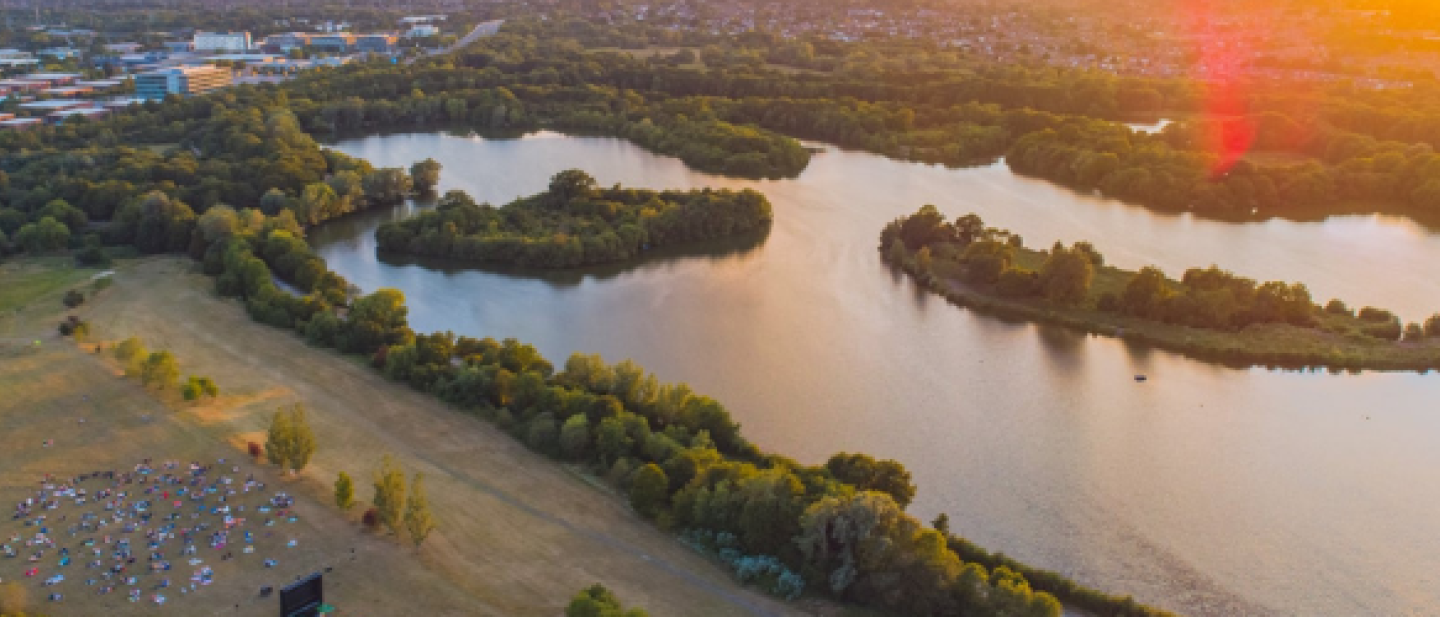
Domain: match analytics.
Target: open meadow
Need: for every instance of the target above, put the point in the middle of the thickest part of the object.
(518, 534)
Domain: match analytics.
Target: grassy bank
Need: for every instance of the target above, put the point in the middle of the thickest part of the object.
(1334, 343)
(518, 533)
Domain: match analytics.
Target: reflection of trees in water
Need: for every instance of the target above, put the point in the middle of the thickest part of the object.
(715, 251)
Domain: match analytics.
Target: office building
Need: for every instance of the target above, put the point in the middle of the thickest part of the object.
(234, 42)
(375, 43)
(182, 80)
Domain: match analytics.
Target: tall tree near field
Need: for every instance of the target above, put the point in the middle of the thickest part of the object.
(131, 353)
(418, 520)
(302, 439)
(390, 494)
(160, 370)
(279, 440)
(344, 491)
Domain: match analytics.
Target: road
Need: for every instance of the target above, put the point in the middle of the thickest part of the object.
(484, 29)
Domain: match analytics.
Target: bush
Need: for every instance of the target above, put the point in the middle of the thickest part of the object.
(255, 449)
(371, 519)
(74, 298)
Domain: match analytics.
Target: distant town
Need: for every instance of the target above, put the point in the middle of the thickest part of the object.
(111, 76)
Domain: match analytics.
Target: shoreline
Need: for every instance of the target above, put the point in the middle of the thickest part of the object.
(1255, 346)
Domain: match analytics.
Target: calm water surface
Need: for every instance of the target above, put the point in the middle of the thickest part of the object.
(1208, 490)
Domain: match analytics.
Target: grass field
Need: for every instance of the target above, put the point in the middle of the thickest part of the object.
(518, 534)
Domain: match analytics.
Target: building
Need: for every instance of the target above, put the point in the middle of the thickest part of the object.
(422, 31)
(93, 113)
(179, 46)
(54, 79)
(286, 41)
(122, 48)
(375, 43)
(14, 58)
(60, 53)
(337, 43)
(51, 106)
(100, 84)
(23, 85)
(68, 91)
(233, 42)
(18, 124)
(181, 80)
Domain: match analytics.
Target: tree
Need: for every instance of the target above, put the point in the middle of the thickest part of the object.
(597, 601)
(389, 497)
(571, 184)
(418, 520)
(302, 445)
(197, 387)
(161, 370)
(1144, 293)
(46, 235)
(274, 201)
(575, 437)
(1066, 275)
(867, 474)
(649, 490)
(386, 186)
(344, 491)
(290, 442)
(278, 441)
(613, 440)
(74, 298)
(425, 175)
(131, 354)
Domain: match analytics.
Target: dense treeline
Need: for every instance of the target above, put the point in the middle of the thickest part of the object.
(574, 223)
(967, 260)
(1181, 169)
(60, 189)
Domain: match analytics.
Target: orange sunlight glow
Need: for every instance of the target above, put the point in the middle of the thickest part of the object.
(1230, 133)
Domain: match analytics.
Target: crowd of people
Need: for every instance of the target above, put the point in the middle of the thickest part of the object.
(136, 531)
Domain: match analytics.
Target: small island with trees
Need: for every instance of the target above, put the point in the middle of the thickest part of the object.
(1210, 314)
(574, 223)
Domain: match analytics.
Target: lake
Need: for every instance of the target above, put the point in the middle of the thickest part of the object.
(1207, 490)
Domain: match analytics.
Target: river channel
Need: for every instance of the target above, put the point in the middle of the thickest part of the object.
(1207, 490)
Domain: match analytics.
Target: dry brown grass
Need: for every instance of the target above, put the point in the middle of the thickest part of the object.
(518, 534)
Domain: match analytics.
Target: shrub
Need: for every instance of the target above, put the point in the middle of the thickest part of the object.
(74, 298)
(371, 519)
(256, 450)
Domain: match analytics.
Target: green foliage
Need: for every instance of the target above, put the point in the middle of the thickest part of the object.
(197, 387)
(419, 521)
(424, 175)
(389, 496)
(344, 491)
(131, 354)
(290, 442)
(45, 235)
(597, 601)
(574, 224)
(1067, 274)
(649, 490)
(73, 298)
(867, 474)
(160, 370)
